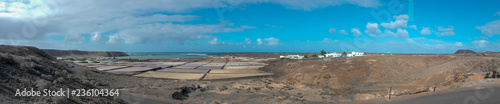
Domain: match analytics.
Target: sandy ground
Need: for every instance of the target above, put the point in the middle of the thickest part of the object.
(351, 80)
(486, 95)
(412, 79)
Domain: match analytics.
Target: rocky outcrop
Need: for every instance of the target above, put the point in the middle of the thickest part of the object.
(465, 51)
(28, 67)
(78, 53)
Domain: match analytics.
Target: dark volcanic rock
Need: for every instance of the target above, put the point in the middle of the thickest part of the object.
(28, 67)
(465, 51)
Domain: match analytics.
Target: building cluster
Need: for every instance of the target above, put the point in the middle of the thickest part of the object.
(292, 57)
(327, 55)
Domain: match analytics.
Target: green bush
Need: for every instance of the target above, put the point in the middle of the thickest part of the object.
(323, 52)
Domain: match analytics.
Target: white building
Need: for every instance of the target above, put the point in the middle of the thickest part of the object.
(321, 56)
(354, 54)
(293, 57)
(334, 54)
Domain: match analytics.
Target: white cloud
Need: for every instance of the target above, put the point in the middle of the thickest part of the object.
(96, 37)
(133, 21)
(400, 33)
(481, 38)
(23, 9)
(272, 41)
(411, 46)
(372, 28)
(175, 32)
(491, 28)
(401, 21)
(326, 40)
(273, 26)
(435, 41)
(332, 30)
(480, 43)
(309, 5)
(113, 39)
(215, 41)
(259, 41)
(484, 45)
(248, 40)
(355, 32)
(74, 38)
(445, 31)
(425, 31)
(419, 38)
(360, 39)
(85, 16)
(343, 32)
(459, 44)
(413, 27)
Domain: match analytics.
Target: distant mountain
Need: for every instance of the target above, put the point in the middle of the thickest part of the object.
(465, 51)
(78, 53)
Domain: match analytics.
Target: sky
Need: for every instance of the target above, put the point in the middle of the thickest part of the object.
(396, 26)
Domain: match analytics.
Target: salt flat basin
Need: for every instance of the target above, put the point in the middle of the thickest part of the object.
(95, 66)
(211, 76)
(242, 67)
(215, 64)
(194, 64)
(171, 75)
(134, 69)
(212, 66)
(245, 64)
(104, 68)
(158, 64)
(165, 63)
(162, 66)
(214, 71)
(156, 57)
(125, 72)
(185, 67)
(209, 67)
(185, 70)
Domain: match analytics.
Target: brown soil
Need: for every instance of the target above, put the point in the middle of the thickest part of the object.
(294, 81)
(407, 74)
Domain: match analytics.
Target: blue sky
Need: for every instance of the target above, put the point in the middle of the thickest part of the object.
(397, 26)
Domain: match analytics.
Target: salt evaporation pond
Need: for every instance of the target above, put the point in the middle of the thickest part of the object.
(155, 57)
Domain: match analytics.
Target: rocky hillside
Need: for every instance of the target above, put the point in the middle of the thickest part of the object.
(374, 74)
(77, 53)
(338, 73)
(465, 51)
(28, 67)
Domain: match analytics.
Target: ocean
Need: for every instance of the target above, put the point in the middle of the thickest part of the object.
(173, 53)
(164, 55)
